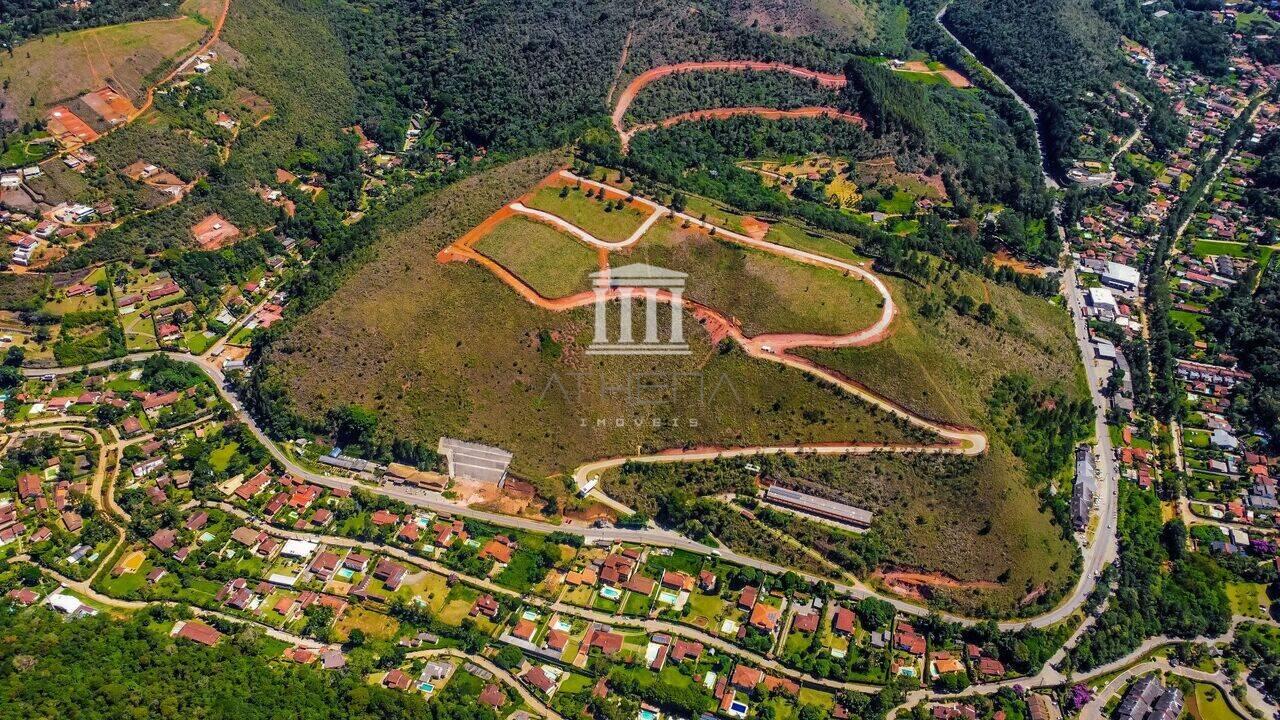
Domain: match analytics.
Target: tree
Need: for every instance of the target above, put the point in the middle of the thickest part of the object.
(509, 657)
(874, 613)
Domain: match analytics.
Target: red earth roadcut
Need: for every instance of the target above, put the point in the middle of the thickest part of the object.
(827, 80)
(770, 347)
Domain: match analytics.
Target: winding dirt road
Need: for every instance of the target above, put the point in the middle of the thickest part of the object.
(827, 80)
(771, 347)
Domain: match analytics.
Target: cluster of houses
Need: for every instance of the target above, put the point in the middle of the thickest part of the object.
(44, 507)
(1149, 699)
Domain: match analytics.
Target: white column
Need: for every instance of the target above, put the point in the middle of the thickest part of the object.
(602, 318)
(651, 315)
(624, 320)
(677, 315)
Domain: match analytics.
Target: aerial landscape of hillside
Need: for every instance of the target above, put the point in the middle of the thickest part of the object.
(741, 359)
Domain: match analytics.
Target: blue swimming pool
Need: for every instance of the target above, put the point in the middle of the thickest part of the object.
(346, 573)
(427, 687)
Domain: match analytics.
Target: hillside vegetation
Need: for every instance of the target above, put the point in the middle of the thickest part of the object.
(469, 358)
(104, 667)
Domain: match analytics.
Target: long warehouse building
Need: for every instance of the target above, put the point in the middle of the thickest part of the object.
(829, 509)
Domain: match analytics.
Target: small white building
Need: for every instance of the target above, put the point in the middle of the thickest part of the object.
(1102, 300)
(298, 548)
(1121, 277)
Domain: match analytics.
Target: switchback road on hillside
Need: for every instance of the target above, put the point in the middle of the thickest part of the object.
(825, 79)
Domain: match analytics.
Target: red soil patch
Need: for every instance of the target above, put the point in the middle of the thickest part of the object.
(624, 100)
(920, 586)
(111, 105)
(1002, 258)
(753, 227)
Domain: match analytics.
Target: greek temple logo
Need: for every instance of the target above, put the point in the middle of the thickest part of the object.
(658, 287)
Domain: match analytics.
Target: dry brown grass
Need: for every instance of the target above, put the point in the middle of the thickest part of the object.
(57, 69)
(448, 350)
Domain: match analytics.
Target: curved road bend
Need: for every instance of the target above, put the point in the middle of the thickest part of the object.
(1097, 554)
(486, 585)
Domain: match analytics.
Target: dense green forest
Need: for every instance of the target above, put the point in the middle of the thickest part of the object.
(1250, 327)
(1056, 53)
(1163, 588)
(107, 668)
(683, 92)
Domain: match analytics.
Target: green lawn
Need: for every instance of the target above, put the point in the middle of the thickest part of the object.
(589, 213)
(1233, 249)
(680, 560)
(197, 343)
(1193, 322)
(221, 457)
(22, 152)
(1246, 598)
(551, 262)
(1210, 705)
(636, 604)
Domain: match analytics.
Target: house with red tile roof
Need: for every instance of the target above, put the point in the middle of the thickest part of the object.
(806, 622)
(746, 678)
(196, 631)
(539, 679)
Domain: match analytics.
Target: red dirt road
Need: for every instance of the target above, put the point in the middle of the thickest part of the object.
(829, 80)
(764, 112)
(772, 347)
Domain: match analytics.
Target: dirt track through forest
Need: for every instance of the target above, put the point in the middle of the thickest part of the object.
(827, 80)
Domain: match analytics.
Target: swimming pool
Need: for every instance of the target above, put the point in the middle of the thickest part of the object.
(346, 573)
(530, 615)
(738, 708)
(647, 715)
(668, 597)
(206, 537)
(611, 593)
(427, 687)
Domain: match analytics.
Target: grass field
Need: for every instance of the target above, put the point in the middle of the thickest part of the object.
(1193, 322)
(794, 237)
(55, 69)
(1248, 599)
(1210, 705)
(763, 292)
(589, 213)
(375, 626)
(1203, 248)
(464, 360)
(550, 261)
(945, 368)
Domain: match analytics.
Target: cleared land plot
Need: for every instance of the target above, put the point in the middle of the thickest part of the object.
(470, 358)
(589, 213)
(130, 57)
(794, 237)
(945, 368)
(1203, 248)
(764, 292)
(1248, 599)
(550, 261)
